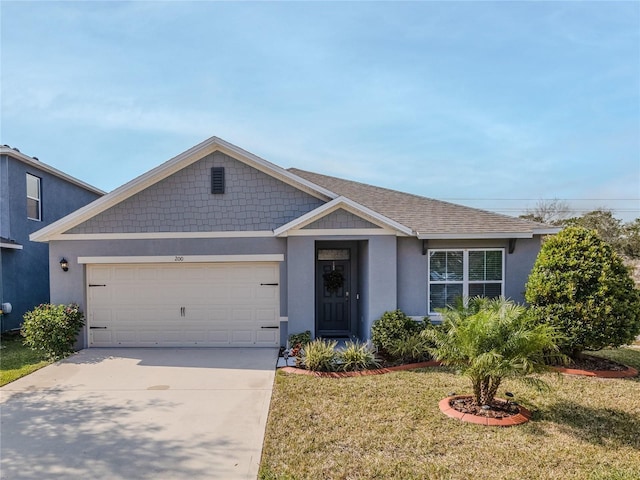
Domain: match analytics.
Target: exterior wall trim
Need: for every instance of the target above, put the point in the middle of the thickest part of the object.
(488, 236)
(13, 246)
(161, 235)
(319, 232)
(473, 236)
(276, 257)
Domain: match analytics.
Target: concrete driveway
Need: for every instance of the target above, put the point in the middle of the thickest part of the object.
(179, 413)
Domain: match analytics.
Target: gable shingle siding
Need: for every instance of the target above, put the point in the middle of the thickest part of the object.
(183, 202)
(340, 219)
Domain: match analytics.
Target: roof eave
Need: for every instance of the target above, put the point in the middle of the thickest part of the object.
(32, 162)
(474, 235)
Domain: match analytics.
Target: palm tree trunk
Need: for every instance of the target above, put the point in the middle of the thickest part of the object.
(477, 391)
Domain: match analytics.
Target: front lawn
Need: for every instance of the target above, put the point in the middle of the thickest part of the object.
(17, 360)
(389, 427)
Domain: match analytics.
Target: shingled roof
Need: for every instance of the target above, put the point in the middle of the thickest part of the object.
(427, 217)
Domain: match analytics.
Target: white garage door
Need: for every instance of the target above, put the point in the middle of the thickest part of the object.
(211, 304)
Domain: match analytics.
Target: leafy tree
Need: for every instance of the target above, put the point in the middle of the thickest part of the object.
(490, 340)
(581, 286)
(608, 227)
(631, 239)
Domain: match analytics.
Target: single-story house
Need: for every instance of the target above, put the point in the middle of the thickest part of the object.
(219, 247)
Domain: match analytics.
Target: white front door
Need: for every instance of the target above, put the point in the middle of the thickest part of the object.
(198, 304)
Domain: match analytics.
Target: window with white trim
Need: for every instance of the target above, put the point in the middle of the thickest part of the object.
(34, 198)
(464, 273)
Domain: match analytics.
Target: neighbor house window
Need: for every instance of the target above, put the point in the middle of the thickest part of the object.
(34, 198)
(460, 274)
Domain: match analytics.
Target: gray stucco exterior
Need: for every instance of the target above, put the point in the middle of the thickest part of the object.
(257, 214)
(24, 273)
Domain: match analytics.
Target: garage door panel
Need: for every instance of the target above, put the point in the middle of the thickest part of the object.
(267, 336)
(242, 336)
(184, 305)
(101, 336)
(218, 337)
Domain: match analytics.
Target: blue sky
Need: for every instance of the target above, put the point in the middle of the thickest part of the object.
(500, 103)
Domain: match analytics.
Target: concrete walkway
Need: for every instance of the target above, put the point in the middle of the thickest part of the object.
(178, 413)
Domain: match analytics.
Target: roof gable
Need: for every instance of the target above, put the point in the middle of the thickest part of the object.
(185, 202)
(168, 168)
(385, 225)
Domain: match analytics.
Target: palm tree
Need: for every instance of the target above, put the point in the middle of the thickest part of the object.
(490, 340)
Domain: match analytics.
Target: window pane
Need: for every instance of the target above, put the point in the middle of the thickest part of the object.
(333, 254)
(476, 265)
(493, 267)
(485, 265)
(438, 266)
(454, 266)
(490, 290)
(33, 187)
(441, 296)
(33, 209)
(446, 266)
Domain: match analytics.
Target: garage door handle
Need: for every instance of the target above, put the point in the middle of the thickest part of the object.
(269, 327)
(270, 284)
(97, 285)
(98, 328)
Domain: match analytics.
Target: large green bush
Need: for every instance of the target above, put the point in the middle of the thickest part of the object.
(52, 329)
(392, 327)
(581, 286)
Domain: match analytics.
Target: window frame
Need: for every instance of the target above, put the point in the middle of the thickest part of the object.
(38, 199)
(465, 273)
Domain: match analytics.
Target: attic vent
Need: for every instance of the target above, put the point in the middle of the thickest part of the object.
(217, 180)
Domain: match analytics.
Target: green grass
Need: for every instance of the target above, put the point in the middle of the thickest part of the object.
(389, 427)
(17, 360)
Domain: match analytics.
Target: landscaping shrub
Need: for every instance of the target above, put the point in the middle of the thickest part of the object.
(297, 341)
(415, 348)
(357, 356)
(581, 286)
(392, 327)
(300, 338)
(52, 329)
(320, 355)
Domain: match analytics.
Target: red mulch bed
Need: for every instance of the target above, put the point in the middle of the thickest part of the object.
(501, 413)
(360, 373)
(588, 362)
(499, 408)
(597, 367)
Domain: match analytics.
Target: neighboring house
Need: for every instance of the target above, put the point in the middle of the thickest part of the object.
(218, 247)
(32, 195)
